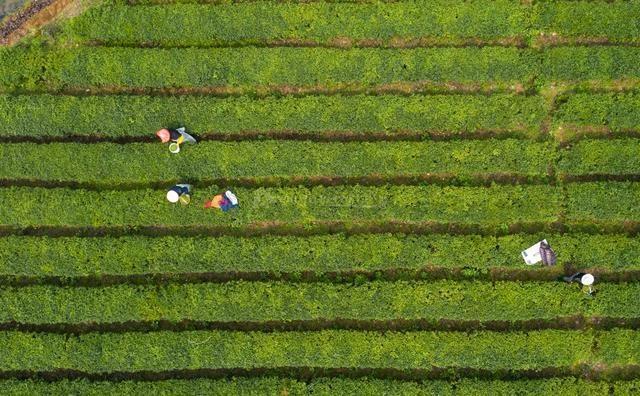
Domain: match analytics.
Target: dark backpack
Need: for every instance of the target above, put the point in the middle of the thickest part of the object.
(547, 254)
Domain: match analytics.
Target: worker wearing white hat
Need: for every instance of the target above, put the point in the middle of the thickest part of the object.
(179, 193)
(585, 279)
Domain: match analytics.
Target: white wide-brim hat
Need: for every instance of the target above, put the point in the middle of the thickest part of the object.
(587, 279)
(173, 196)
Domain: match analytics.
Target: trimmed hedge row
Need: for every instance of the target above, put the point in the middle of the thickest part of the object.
(22, 67)
(588, 19)
(444, 22)
(613, 157)
(257, 22)
(160, 351)
(492, 207)
(254, 70)
(321, 386)
(603, 203)
(615, 112)
(114, 164)
(575, 64)
(240, 301)
(116, 116)
(134, 255)
(619, 348)
(249, 68)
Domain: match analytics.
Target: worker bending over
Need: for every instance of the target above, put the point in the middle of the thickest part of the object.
(179, 192)
(225, 201)
(586, 280)
(176, 136)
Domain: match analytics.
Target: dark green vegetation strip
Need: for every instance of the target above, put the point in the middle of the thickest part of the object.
(113, 164)
(598, 114)
(341, 24)
(485, 209)
(470, 256)
(493, 207)
(608, 20)
(320, 386)
(598, 65)
(603, 203)
(162, 351)
(248, 69)
(619, 157)
(233, 302)
(260, 71)
(276, 162)
(121, 116)
(444, 22)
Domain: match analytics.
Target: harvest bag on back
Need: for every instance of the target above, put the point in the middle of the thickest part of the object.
(547, 254)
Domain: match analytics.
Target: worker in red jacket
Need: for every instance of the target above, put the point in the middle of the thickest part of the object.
(226, 201)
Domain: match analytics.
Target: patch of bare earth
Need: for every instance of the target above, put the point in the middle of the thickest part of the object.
(554, 39)
(34, 17)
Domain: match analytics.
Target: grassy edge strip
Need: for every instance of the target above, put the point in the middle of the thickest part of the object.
(318, 387)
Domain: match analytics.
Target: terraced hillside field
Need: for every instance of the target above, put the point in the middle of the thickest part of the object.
(391, 158)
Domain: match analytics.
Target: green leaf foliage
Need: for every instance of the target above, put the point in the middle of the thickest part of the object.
(603, 203)
(495, 206)
(160, 351)
(284, 302)
(134, 255)
(115, 164)
(601, 64)
(255, 22)
(53, 68)
(49, 115)
(609, 157)
(321, 387)
(591, 19)
(445, 21)
(616, 112)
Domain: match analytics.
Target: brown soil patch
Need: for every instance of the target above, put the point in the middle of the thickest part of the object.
(40, 13)
(260, 91)
(335, 42)
(555, 40)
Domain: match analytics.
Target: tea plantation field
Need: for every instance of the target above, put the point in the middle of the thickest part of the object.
(391, 158)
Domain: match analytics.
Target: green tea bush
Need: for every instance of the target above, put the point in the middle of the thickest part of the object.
(161, 351)
(117, 116)
(136, 255)
(321, 386)
(491, 207)
(257, 22)
(609, 157)
(236, 301)
(115, 164)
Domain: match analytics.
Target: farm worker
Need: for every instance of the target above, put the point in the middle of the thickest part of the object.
(225, 201)
(586, 280)
(177, 136)
(179, 192)
(547, 254)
